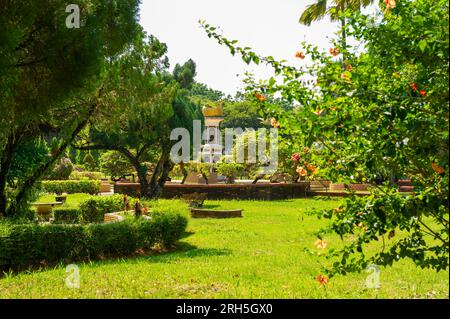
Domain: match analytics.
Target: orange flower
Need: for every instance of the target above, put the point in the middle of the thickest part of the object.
(349, 67)
(274, 123)
(322, 279)
(390, 4)
(260, 97)
(414, 87)
(300, 55)
(301, 171)
(333, 108)
(318, 112)
(438, 169)
(321, 244)
(423, 92)
(312, 168)
(334, 51)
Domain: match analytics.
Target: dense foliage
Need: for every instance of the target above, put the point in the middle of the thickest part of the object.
(49, 79)
(378, 116)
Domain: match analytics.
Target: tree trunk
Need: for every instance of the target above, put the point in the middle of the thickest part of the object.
(184, 171)
(5, 166)
(154, 187)
(29, 183)
(257, 178)
(143, 183)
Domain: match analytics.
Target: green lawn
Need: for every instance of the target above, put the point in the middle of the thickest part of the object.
(261, 255)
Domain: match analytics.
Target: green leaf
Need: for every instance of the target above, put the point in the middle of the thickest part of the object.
(422, 45)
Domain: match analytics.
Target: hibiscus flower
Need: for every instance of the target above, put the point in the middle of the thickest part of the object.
(322, 279)
(300, 55)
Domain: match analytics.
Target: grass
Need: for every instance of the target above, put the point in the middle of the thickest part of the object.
(73, 200)
(261, 255)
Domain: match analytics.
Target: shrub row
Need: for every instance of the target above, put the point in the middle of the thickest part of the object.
(71, 186)
(67, 215)
(92, 210)
(36, 244)
(76, 175)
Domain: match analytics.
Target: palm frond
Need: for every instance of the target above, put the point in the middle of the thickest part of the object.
(314, 12)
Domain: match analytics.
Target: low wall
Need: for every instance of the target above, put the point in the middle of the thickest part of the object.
(261, 191)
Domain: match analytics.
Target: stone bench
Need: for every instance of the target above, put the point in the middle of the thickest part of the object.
(45, 209)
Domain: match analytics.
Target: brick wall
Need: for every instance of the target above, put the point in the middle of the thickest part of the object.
(261, 191)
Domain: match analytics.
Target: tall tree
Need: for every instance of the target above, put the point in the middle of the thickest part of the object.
(143, 103)
(49, 76)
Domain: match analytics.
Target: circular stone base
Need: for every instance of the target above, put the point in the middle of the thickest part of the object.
(209, 213)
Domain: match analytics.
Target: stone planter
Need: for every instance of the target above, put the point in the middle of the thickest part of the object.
(360, 187)
(337, 187)
(105, 187)
(209, 213)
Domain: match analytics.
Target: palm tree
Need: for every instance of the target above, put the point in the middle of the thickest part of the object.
(333, 9)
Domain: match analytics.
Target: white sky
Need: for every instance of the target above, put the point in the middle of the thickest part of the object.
(270, 27)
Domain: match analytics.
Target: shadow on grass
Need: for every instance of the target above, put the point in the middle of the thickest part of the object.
(179, 251)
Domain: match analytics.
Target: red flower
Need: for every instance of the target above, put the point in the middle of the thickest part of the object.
(390, 3)
(423, 92)
(295, 157)
(414, 87)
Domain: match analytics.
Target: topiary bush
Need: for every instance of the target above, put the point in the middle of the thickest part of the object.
(230, 170)
(71, 186)
(24, 245)
(67, 215)
(62, 170)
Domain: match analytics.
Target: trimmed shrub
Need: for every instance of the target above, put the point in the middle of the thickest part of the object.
(77, 175)
(94, 208)
(71, 186)
(67, 215)
(33, 244)
(230, 170)
(41, 244)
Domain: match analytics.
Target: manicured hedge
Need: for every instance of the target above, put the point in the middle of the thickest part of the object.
(94, 208)
(36, 244)
(71, 186)
(67, 215)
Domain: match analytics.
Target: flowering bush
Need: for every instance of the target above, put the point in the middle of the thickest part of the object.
(382, 119)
